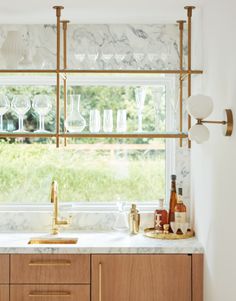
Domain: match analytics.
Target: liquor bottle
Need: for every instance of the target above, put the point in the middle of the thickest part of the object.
(180, 209)
(173, 200)
(160, 216)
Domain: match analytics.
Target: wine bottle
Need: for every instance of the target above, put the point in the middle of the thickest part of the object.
(173, 200)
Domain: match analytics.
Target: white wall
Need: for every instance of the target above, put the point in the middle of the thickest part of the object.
(214, 163)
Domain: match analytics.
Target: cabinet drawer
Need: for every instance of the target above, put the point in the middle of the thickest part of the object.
(4, 269)
(50, 269)
(4, 292)
(50, 292)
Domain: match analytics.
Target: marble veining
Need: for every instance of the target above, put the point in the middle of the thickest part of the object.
(98, 243)
(102, 46)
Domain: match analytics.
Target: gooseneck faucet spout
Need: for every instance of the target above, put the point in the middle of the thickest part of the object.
(56, 222)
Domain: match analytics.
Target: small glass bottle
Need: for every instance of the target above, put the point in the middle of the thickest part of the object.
(180, 209)
(160, 216)
(173, 200)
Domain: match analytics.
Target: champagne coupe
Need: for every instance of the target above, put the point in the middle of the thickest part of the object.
(4, 107)
(140, 95)
(42, 105)
(21, 105)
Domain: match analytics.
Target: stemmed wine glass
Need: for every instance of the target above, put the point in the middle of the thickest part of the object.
(140, 95)
(42, 105)
(4, 107)
(21, 105)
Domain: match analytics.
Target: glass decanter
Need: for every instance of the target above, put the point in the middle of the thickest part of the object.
(75, 122)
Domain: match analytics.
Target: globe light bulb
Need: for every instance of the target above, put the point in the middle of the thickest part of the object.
(199, 133)
(199, 106)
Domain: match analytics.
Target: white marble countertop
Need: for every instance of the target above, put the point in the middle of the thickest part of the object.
(100, 242)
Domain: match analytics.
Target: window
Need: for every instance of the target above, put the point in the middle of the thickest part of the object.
(90, 170)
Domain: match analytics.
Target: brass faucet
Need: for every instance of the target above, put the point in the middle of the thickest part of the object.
(56, 222)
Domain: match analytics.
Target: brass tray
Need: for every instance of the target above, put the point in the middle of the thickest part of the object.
(152, 233)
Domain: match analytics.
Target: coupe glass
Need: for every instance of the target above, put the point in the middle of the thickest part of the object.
(4, 107)
(42, 105)
(140, 95)
(21, 105)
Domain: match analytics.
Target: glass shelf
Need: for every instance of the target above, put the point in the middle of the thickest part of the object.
(79, 71)
(94, 135)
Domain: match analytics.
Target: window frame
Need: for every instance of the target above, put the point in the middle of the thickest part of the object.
(105, 80)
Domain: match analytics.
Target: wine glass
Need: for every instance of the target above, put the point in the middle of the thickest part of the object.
(4, 107)
(140, 95)
(42, 105)
(21, 105)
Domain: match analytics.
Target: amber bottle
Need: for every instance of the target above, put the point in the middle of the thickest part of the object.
(173, 199)
(160, 216)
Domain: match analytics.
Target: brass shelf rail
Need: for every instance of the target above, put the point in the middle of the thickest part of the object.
(60, 71)
(92, 135)
(94, 71)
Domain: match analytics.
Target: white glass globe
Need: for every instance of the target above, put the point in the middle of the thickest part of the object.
(199, 106)
(199, 133)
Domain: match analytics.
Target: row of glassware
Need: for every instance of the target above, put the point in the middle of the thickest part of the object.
(74, 122)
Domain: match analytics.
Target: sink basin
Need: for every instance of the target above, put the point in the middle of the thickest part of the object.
(53, 240)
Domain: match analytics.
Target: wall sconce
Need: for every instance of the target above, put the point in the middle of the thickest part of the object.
(200, 107)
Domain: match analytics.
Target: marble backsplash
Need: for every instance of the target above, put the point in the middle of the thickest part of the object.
(151, 46)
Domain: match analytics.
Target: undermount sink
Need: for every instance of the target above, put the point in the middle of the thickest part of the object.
(53, 240)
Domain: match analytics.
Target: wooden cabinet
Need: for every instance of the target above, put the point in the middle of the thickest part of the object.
(4, 269)
(141, 278)
(4, 292)
(50, 269)
(108, 277)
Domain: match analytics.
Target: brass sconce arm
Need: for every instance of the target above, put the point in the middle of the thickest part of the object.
(228, 123)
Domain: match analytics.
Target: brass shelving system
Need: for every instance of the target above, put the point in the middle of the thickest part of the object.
(61, 72)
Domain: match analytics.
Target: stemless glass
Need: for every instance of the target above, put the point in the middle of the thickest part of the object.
(121, 126)
(94, 121)
(4, 107)
(21, 105)
(42, 105)
(107, 121)
(140, 95)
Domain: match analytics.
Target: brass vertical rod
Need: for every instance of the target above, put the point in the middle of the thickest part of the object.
(64, 26)
(189, 15)
(58, 15)
(181, 29)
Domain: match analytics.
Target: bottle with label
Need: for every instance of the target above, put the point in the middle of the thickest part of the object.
(180, 209)
(173, 199)
(160, 216)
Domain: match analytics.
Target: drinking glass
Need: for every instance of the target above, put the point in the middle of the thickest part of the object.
(107, 121)
(140, 95)
(121, 221)
(4, 107)
(42, 105)
(121, 126)
(94, 121)
(21, 105)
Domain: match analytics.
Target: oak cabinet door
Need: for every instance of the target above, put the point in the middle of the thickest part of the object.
(141, 278)
(4, 269)
(4, 292)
